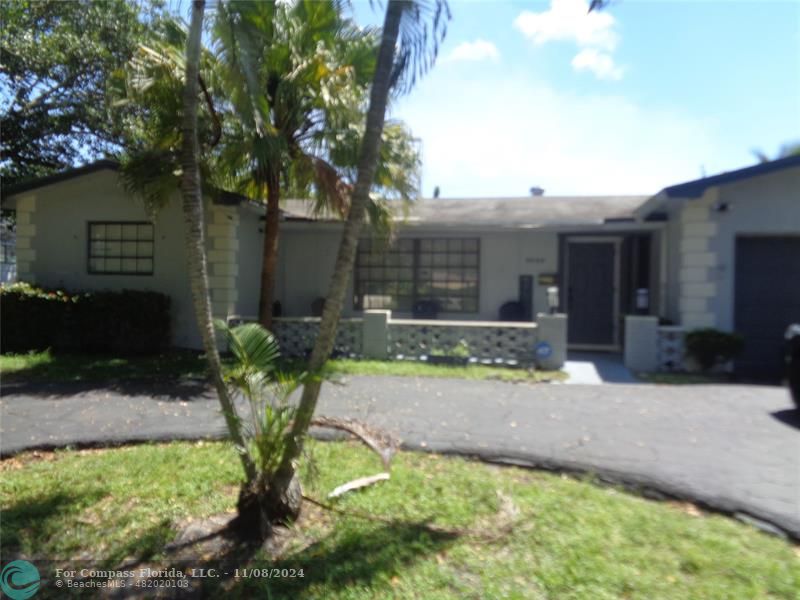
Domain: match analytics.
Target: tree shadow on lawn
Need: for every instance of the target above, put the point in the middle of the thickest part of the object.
(177, 374)
(38, 518)
(355, 558)
(185, 390)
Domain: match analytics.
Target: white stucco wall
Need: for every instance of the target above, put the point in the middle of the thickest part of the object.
(306, 257)
(54, 252)
(308, 253)
(766, 205)
(251, 240)
(705, 240)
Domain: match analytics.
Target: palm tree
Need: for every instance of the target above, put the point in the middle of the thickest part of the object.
(298, 75)
(786, 150)
(194, 231)
(408, 49)
(405, 53)
(225, 123)
(290, 83)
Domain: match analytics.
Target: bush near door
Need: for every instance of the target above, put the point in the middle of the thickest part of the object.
(709, 347)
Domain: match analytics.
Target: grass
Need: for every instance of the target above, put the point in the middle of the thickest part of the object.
(47, 367)
(407, 368)
(572, 539)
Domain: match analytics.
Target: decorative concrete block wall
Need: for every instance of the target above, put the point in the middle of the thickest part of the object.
(487, 340)
(671, 348)
(697, 262)
(223, 269)
(378, 336)
(650, 347)
(298, 334)
(26, 232)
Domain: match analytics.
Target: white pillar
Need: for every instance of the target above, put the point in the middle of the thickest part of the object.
(552, 330)
(375, 334)
(641, 343)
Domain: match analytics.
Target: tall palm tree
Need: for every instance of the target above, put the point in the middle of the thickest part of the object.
(298, 75)
(225, 124)
(290, 85)
(412, 31)
(405, 52)
(194, 230)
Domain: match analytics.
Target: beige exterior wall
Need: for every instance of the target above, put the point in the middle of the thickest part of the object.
(53, 252)
(766, 206)
(25, 207)
(222, 225)
(308, 254)
(696, 275)
(703, 241)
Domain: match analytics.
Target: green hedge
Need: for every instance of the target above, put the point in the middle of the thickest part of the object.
(710, 346)
(124, 322)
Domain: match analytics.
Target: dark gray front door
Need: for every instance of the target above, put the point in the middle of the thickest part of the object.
(590, 293)
(767, 300)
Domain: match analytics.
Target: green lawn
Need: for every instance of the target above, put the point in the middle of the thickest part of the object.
(44, 366)
(571, 539)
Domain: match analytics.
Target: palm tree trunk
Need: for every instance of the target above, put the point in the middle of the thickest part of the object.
(367, 163)
(269, 258)
(194, 231)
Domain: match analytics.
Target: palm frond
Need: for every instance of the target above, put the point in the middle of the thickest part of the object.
(254, 348)
(422, 28)
(382, 222)
(151, 176)
(245, 31)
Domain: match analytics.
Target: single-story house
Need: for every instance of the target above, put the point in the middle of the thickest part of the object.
(721, 251)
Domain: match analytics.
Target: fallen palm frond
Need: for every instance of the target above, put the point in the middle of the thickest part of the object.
(357, 484)
(382, 443)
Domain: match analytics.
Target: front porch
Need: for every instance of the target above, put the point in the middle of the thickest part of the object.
(601, 273)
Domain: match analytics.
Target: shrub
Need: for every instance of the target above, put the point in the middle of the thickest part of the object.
(710, 346)
(30, 317)
(123, 322)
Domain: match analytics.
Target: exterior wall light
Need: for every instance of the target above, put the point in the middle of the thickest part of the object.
(552, 299)
(642, 300)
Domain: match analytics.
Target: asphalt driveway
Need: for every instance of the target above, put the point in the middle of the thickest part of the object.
(735, 448)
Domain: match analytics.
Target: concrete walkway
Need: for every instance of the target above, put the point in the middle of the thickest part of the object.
(593, 368)
(734, 448)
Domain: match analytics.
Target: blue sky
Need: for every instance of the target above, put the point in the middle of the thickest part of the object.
(640, 96)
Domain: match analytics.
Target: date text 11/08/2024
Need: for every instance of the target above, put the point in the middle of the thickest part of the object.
(264, 573)
(173, 573)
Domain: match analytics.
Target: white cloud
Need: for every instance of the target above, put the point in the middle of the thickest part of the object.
(569, 20)
(489, 144)
(474, 51)
(599, 63)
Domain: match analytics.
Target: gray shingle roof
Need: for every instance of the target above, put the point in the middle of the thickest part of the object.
(530, 211)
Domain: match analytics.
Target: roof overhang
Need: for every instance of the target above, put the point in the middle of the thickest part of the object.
(26, 186)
